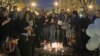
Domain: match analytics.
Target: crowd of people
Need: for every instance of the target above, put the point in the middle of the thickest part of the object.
(22, 32)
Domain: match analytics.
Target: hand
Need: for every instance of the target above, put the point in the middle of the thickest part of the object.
(15, 41)
(28, 28)
(6, 21)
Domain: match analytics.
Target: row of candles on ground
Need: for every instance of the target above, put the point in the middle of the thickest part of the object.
(55, 46)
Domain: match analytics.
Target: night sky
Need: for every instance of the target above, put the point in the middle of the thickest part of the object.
(43, 3)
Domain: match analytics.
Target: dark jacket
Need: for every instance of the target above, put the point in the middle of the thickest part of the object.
(40, 21)
(14, 29)
(84, 22)
(13, 15)
(17, 27)
(75, 21)
(4, 30)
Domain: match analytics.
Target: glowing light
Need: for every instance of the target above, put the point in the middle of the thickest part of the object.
(54, 45)
(33, 4)
(45, 47)
(18, 9)
(68, 10)
(90, 7)
(56, 3)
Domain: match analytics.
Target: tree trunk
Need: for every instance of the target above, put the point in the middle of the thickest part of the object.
(85, 4)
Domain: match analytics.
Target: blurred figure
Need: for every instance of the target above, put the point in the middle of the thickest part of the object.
(98, 14)
(46, 29)
(70, 35)
(53, 23)
(14, 13)
(75, 21)
(4, 27)
(62, 15)
(75, 24)
(39, 25)
(62, 19)
(26, 38)
(64, 27)
(84, 22)
(91, 16)
(32, 40)
(13, 32)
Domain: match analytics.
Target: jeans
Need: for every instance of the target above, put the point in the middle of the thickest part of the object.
(57, 33)
(52, 33)
(46, 32)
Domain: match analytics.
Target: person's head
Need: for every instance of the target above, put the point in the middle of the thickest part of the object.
(15, 8)
(75, 13)
(85, 14)
(32, 15)
(3, 12)
(27, 15)
(98, 13)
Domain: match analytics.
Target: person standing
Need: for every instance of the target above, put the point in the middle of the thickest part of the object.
(39, 22)
(13, 32)
(75, 24)
(84, 22)
(61, 30)
(4, 28)
(53, 24)
(46, 29)
(25, 31)
(14, 14)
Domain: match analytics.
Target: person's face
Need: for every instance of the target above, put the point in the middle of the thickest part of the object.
(15, 9)
(27, 17)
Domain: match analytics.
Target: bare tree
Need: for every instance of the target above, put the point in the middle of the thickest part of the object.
(7, 3)
(85, 3)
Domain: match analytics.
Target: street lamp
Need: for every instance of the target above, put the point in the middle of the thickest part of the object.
(19, 9)
(56, 4)
(68, 10)
(90, 7)
(33, 4)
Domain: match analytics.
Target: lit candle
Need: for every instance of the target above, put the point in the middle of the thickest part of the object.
(62, 52)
